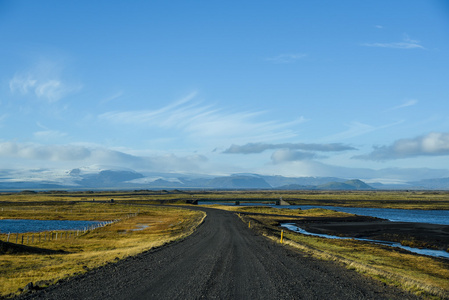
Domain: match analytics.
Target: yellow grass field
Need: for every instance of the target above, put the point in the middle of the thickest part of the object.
(141, 228)
(425, 276)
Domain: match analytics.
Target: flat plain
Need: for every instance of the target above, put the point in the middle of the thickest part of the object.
(423, 276)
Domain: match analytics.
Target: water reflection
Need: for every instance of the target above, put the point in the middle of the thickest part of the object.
(21, 226)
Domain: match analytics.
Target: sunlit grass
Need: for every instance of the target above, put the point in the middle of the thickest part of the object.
(314, 212)
(379, 199)
(424, 276)
(152, 227)
(419, 274)
(375, 198)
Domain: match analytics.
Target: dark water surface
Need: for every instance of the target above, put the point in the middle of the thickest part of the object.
(395, 215)
(440, 217)
(21, 226)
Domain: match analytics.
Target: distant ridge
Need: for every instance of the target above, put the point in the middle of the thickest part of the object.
(107, 178)
(433, 184)
(110, 178)
(349, 185)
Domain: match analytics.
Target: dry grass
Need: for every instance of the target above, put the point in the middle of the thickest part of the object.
(152, 227)
(420, 274)
(268, 210)
(381, 199)
(65, 211)
(375, 198)
(424, 276)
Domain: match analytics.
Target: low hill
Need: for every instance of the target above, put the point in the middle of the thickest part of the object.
(296, 187)
(353, 185)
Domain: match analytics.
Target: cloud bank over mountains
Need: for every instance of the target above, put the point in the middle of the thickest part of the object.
(431, 144)
(260, 147)
(210, 127)
(289, 90)
(71, 156)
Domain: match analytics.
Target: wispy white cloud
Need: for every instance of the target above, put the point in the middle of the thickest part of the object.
(49, 134)
(287, 58)
(379, 26)
(113, 97)
(202, 121)
(432, 144)
(43, 81)
(51, 90)
(22, 84)
(406, 43)
(403, 105)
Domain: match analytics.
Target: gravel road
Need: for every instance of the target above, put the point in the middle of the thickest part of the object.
(223, 259)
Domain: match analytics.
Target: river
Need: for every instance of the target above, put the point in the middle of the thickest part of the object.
(440, 217)
(430, 252)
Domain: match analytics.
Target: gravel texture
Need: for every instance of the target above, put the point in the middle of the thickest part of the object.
(223, 259)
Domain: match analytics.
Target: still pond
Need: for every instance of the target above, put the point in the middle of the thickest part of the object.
(21, 226)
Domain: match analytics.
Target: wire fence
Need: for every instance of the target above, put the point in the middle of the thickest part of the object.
(32, 238)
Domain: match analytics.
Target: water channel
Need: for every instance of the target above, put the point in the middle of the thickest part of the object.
(440, 217)
(430, 252)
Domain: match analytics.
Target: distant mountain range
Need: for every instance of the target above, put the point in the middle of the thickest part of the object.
(98, 178)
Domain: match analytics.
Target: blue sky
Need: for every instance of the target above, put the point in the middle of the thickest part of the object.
(352, 89)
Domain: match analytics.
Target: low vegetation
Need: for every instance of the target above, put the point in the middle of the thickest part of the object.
(154, 226)
(381, 199)
(425, 276)
(374, 198)
(141, 228)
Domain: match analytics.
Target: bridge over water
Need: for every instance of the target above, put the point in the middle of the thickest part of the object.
(237, 201)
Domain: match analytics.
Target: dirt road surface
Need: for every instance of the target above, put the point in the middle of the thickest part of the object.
(223, 259)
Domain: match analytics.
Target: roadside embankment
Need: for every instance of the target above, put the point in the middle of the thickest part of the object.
(422, 275)
(50, 261)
